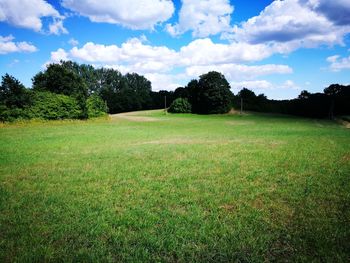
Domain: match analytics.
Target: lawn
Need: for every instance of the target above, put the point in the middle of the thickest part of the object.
(149, 187)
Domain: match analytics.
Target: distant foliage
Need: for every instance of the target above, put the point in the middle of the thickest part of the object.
(180, 105)
(70, 90)
(210, 94)
(51, 106)
(96, 106)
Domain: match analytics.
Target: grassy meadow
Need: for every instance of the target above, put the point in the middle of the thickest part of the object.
(149, 187)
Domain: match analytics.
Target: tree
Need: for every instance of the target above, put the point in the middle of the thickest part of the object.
(214, 95)
(304, 95)
(13, 94)
(61, 79)
(181, 92)
(141, 89)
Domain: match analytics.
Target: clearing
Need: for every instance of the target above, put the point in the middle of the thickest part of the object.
(145, 187)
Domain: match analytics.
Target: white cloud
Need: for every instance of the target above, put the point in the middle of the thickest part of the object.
(157, 62)
(204, 52)
(29, 14)
(289, 84)
(7, 45)
(134, 14)
(337, 63)
(252, 85)
(202, 17)
(73, 42)
(238, 72)
(60, 54)
(138, 56)
(164, 81)
(57, 27)
(290, 24)
(261, 86)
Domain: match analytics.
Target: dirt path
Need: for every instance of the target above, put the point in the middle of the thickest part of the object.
(133, 116)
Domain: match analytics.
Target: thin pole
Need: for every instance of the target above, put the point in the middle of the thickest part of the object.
(165, 104)
(241, 105)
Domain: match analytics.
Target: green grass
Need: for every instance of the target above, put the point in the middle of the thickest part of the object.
(183, 188)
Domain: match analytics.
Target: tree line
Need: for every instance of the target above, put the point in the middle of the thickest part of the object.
(68, 90)
(212, 94)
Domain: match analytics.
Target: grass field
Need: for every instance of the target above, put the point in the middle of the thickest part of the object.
(148, 187)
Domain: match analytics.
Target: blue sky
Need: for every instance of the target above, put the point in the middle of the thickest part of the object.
(273, 47)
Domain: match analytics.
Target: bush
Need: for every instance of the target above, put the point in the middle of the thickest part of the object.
(96, 107)
(11, 114)
(51, 106)
(180, 105)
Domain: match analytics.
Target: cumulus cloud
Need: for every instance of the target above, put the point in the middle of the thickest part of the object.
(291, 24)
(252, 85)
(202, 17)
(73, 42)
(133, 14)
(337, 11)
(236, 72)
(164, 81)
(29, 14)
(338, 63)
(157, 62)
(142, 57)
(204, 52)
(263, 86)
(7, 45)
(57, 27)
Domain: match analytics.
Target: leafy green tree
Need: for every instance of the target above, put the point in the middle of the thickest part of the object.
(13, 94)
(96, 106)
(61, 79)
(113, 89)
(181, 92)
(180, 105)
(214, 94)
(14, 99)
(141, 89)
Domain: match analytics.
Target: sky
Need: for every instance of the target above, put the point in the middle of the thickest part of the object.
(277, 48)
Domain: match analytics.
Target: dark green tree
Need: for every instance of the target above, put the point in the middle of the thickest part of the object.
(141, 89)
(13, 94)
(214, 94)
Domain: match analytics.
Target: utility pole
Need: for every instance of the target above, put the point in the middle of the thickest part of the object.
(241, 105)
(165, 104)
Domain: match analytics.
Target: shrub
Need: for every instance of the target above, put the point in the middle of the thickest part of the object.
(96, 107)
(11, 114)
(51, 106)
(180, 105)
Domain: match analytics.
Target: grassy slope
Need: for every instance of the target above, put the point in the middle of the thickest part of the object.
(183, 188)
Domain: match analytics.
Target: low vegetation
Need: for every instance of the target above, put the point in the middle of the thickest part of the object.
(150, 187)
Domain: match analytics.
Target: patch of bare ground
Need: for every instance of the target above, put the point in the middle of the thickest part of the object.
(237, 123)
(184, 141)
(132, 116)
